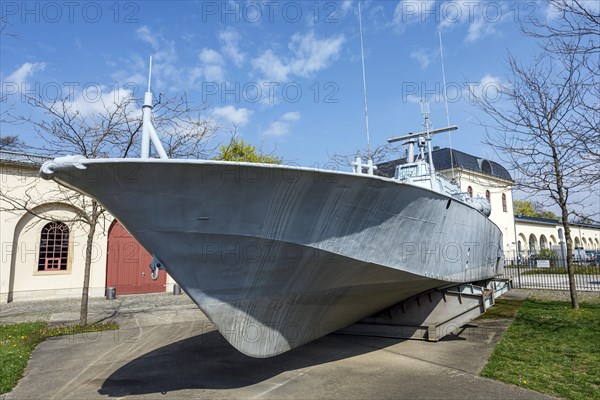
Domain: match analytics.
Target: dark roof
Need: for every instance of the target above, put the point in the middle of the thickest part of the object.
(593, 225)
(16, 158)
(441, 161)
(525, 218)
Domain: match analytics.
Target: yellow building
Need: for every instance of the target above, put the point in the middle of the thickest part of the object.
(535, 234)
(43, 251)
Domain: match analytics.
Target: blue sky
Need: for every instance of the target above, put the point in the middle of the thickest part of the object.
(304, 56)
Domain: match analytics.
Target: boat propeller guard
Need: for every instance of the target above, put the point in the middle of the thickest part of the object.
(156, 265)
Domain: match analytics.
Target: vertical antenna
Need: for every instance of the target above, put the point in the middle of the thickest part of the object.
(150, 73)
(446, 103)
(362, 52)
(148, 132)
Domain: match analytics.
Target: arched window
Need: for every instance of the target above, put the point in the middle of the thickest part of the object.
(543, 242)
(54, 247)
(486, 167)
(488, 197)
(470, 191)
(504, 208)
(533, 244)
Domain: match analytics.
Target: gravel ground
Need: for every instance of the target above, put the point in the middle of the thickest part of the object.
(67, 310)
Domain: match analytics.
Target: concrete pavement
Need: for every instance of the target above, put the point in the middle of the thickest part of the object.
(173, 352)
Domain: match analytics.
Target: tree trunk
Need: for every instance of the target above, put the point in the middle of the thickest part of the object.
(89, 247)
(562, 202)
(572, 286)
(565, 222)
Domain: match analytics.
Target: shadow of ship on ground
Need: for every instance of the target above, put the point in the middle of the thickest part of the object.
(217, 365)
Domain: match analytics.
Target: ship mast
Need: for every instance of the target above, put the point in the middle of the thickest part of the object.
(148, 132)
(424, 140)
(427, 123)
(446, 104)
(358, 165)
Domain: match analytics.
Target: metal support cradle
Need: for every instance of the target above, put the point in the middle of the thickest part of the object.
(433, 314)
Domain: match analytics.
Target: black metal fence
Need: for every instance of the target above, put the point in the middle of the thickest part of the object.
(533, 273)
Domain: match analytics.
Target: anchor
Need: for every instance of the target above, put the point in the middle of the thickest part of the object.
(156, 265)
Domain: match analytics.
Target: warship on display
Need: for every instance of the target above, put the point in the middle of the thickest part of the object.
(277, 256)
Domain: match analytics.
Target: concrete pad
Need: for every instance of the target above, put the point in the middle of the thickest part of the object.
(191, 360)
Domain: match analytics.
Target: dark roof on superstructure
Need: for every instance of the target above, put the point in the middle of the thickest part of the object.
(17, 158)
(441, 161)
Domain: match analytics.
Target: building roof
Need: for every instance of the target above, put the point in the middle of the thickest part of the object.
(547, 221)
(18, 158)
(537, 220)
(441, 162)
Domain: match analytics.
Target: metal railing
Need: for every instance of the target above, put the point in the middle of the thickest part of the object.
(533, 273)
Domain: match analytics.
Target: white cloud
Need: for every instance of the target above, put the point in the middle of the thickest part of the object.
(551, 12)
(282, 127)
(168, 73)
(414, 99)
(21, 74)
(233, 115)
(422, 57)
(483, 19)
(210, 56)
(346, 6)
(145, 35)
(100, 100)
(272, 67)
(409, 12)
(213, 73)
(132, 70)
(489, 86)
(212, 65)
(291, 116)
(277, 129)
(229, 39)
(481, 28)
(309, 55)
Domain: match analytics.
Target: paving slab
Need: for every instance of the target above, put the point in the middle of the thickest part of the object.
(177, 354)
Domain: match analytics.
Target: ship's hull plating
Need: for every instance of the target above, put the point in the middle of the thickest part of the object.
(278, 256)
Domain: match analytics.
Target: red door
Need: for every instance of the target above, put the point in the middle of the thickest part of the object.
(127, 264)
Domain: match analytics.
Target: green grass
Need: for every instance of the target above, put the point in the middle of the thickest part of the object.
(503, 309)
(551, 348)
(17, 341)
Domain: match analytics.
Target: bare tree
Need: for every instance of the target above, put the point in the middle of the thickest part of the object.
(575, 28)
(110, 130)
(10, 142)
(573, 35)
(378, 155)
(3, 25)
(535, 129)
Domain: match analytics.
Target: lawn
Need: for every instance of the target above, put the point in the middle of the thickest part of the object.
(550, 348)
(17, 341)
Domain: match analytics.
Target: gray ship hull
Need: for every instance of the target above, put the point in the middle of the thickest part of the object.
(278, 256)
